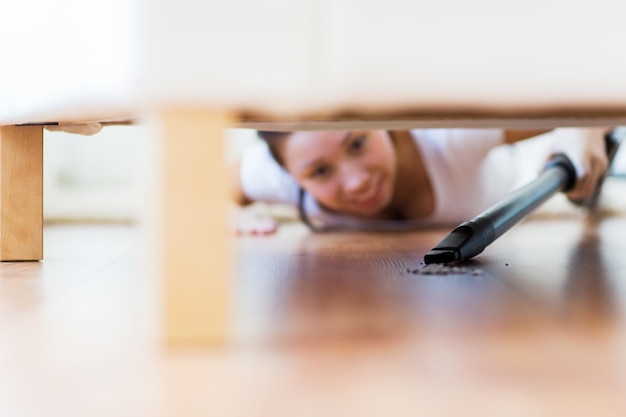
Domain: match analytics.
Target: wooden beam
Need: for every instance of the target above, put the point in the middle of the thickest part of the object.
(21, 193)
(193, 256)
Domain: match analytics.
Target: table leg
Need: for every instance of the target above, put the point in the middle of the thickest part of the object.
(21, 193)
(193, 253)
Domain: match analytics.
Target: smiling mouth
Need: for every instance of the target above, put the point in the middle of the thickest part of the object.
(373, 198)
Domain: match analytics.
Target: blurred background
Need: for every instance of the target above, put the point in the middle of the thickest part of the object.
(99, 178)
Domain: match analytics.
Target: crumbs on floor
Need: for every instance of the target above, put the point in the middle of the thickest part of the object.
(445, 269)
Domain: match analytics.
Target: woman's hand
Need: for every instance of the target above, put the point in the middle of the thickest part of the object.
(246, 222)
(586, 149)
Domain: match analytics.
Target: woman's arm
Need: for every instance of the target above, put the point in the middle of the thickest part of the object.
(235, 188)
(586, 149)
(243, 220)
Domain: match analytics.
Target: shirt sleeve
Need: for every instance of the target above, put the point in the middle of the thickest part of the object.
(263, 179)
(460, 166)
(476, 143)
(465, 149)
(459, 145)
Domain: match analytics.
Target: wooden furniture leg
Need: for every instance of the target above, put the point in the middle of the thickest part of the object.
(21, 193)
(193, 242)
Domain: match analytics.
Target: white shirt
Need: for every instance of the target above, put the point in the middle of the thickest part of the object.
(469, 170)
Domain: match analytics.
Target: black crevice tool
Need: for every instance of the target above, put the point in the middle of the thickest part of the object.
(472, 237)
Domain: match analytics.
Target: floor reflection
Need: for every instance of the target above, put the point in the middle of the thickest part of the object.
(589, 297)
(324, 287)
(343, 287)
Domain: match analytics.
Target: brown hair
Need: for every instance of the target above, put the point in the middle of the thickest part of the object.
(275, 141)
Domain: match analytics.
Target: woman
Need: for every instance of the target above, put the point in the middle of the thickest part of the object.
(392, 180)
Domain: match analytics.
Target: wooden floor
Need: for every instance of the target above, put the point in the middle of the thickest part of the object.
(327, 325)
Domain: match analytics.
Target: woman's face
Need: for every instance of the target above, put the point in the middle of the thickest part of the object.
(348, 172)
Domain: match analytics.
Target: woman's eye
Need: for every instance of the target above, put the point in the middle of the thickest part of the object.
(320, 171)
(358, 143)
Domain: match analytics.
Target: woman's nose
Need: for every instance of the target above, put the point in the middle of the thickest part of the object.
(354, 180)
